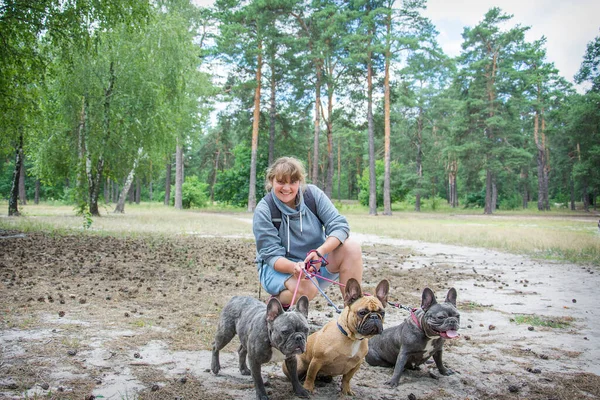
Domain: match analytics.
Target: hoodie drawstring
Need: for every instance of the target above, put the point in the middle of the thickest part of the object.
(288, 233)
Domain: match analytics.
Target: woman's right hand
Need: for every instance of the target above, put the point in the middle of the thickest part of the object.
(298, 267)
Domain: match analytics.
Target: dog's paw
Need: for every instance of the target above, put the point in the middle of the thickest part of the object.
(392, 383)
(310, 386)
(447, 371)
(215, 368)
(245, 371)
(301, 392)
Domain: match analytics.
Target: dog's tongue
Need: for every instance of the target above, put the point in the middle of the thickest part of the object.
(449, 334)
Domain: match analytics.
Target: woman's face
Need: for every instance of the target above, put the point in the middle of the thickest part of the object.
(286, 191)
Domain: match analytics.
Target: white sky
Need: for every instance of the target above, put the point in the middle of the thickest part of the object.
(567, 25)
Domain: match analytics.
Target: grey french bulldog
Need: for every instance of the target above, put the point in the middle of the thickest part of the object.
(419, 337)
(263, 329)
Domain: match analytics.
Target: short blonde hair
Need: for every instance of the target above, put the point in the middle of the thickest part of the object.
(284, 168)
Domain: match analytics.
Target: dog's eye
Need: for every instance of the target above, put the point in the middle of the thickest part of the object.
(362, 313)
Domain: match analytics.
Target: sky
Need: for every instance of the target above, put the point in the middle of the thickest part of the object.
(567, 25)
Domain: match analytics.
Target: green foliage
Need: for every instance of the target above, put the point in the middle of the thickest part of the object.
(545, 321)
(87, 219)
(194, 193)
(513, 202)
(233, 183)
(475, 200)
(397, 192)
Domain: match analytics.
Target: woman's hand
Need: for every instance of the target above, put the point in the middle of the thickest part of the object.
(298, 267)
(313, 261)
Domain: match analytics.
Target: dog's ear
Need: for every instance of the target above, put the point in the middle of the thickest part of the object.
(451, 297)
(428, 299)
(382, 291)
(274, 309)
(353, 291)
(302, 306)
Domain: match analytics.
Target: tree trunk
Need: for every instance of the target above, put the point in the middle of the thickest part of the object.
(371, 127)
(546, 164)
(131, 193)
(539, 158)
(272, 114)
(585, 195)
(572, 182)
(127, 185)
(419, 159)
(81, 145)
(107, 190)
(115, 192)
(22, 192)
(494, 194)
(255, 126)
(150, 193)
(315, 164)
(525, 190)
(94, 186)
(94, 177)
(168, 183)
(37, 192)
(178, 176)
(138, 190)
(329, 122)
(488, 192)
(387, 197)
(13, 199)
(339, 168)
(452, 193)
(214, 180)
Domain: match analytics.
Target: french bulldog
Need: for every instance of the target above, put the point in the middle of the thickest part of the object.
(419, 337)
(263, 330)
(339, 348)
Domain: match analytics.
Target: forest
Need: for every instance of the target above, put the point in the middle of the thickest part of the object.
(110, 101)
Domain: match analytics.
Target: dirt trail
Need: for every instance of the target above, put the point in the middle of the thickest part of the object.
(100, 317)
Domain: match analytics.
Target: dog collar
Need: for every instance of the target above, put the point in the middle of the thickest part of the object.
(344, 331)
(414, 317)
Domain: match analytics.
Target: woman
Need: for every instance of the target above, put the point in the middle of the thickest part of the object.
(302, 236)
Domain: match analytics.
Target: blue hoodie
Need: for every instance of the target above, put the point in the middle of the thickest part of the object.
(300, 230)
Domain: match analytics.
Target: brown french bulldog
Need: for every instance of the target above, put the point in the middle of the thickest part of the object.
(339, 348)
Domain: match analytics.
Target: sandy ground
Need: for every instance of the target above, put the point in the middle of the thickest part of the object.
(95, 317)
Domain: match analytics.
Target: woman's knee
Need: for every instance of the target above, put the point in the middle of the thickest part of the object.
(351, 249)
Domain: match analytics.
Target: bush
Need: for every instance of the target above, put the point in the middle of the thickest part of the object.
(513, 202)
(397, 189)
(475, 200)
(193, 193)
(233, 184)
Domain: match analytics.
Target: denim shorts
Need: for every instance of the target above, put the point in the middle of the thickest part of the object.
(274, 281)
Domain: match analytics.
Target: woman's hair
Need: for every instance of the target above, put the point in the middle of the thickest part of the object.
(284, 168)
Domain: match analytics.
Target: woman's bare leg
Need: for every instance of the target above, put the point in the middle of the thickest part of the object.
(347, 261)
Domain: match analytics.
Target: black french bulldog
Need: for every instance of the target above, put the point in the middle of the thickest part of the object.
(262, 328)
(419, 337)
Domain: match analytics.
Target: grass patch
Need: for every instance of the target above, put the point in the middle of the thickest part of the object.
(473, 306)
(538, 320)
(556, 235)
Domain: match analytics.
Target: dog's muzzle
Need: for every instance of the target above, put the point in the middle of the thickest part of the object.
(371, 324)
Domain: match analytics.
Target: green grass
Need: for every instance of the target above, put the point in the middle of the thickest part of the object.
(472, 306)
(538, 320)
(555, 235)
